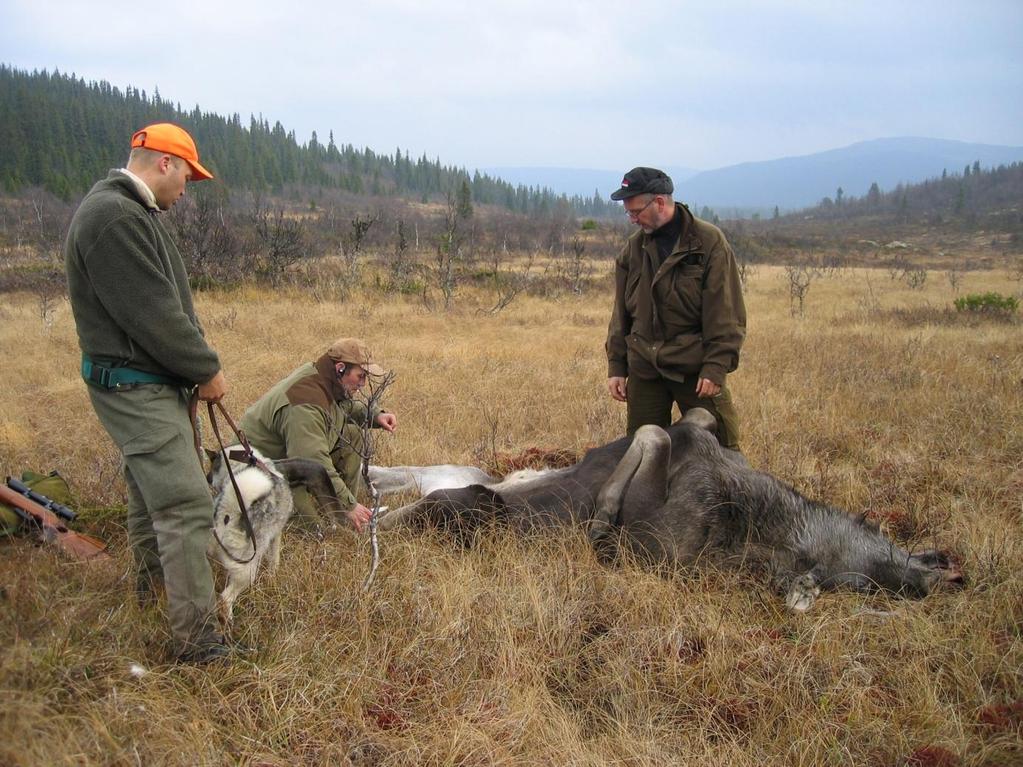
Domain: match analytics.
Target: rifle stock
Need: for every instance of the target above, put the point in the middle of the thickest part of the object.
(52, 530)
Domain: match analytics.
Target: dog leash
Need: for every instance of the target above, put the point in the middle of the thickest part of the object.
(245, 455)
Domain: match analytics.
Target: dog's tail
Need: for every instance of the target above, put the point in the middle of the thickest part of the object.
(313, 477)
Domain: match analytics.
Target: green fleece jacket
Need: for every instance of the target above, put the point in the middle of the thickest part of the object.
(128, 287)
(683, 317)
(302, 416)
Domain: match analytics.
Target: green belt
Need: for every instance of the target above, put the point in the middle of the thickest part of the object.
(114, 378)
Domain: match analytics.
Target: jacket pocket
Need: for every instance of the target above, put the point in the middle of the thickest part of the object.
(682, 306)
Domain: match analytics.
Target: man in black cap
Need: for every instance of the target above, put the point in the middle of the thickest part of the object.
(679, 319)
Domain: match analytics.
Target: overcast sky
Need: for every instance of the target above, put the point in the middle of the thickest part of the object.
(585, 84)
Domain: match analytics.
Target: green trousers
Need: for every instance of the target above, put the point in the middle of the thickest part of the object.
(170, 510)
(347, 460)
(649, 402)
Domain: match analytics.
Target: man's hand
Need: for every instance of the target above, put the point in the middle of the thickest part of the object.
(707, 388)
(616, 385)
(214, 389)
(387, 422)
(359, 516)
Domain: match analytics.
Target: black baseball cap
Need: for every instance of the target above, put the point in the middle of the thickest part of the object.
(643, 181)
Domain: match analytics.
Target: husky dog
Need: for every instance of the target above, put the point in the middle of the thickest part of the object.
(675, 496)
(265, 487)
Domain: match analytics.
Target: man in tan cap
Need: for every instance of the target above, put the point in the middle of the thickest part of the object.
(143, 354)
(312, 414)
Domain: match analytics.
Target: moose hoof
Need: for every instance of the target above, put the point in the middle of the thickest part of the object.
(597, 531)
(802, 594)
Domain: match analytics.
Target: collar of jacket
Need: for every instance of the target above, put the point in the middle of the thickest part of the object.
(689, 241)
(135, 186)
(322, 389)
(325, 367)
(143, 190)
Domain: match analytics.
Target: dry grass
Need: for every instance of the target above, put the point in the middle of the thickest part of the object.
(529, 652)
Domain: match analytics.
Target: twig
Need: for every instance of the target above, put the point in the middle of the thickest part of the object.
(372, 398)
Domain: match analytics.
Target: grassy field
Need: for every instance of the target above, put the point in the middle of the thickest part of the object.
(879, 398)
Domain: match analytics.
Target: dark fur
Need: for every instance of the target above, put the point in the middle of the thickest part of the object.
(677, 497)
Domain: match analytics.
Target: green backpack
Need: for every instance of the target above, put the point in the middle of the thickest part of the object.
(52, 485)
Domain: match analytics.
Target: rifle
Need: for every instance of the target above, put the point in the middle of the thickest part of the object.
(46, 516)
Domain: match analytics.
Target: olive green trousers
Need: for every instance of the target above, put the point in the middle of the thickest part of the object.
(649, 402)
(347, 459)
(170, 510)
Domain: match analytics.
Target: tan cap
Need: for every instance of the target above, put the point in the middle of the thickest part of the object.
(355, 352)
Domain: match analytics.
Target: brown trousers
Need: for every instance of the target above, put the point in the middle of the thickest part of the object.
(649, 402)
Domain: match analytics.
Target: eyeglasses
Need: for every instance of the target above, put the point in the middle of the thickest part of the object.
(635, 213)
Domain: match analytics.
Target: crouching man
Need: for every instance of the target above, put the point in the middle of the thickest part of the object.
(312, 414)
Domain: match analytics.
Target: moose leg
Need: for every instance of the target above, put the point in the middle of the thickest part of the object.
(459, 510)
(639, 482)
(402, 517)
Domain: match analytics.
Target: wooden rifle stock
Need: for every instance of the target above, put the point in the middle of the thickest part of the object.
(51, 528)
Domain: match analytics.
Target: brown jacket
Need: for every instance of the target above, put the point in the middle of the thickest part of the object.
(686, 317)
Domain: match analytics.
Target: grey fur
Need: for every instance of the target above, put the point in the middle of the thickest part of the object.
(678, 498)
(425, 479)
(266, 490)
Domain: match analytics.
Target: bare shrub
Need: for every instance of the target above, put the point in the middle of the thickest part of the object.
(402, 267)
(897, 267)
(800, 278)
(207, 240)
(915, 277)
(578, 269)
(48, 225)
(280, 242)
(954, 276)
(457, 214)
(508, 285)
(351, 247)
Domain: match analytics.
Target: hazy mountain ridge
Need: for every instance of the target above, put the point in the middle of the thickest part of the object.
(793, 182)
(574, 181)
(798, 182)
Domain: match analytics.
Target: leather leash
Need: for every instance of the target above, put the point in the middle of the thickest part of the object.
(245, 455)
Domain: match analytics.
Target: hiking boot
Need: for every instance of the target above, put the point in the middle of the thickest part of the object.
(148, 590)
(216, 651)
(205, 653)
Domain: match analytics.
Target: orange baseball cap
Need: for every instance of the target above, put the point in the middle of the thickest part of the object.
(164, 137)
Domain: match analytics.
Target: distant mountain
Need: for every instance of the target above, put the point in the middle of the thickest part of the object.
(799, 182)
(574, 181)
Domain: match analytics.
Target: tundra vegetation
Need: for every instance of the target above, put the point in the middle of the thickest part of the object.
(863, 390)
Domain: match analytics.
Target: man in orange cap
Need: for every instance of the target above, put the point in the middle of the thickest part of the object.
(313, 414)
(143, 354)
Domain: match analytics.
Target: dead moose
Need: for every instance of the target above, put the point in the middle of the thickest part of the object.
(675, 497)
